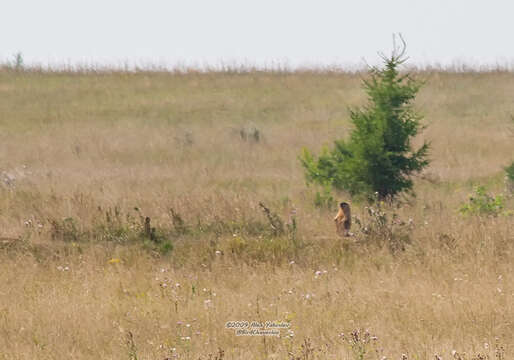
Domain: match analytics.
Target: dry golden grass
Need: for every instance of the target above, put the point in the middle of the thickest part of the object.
(78, 145)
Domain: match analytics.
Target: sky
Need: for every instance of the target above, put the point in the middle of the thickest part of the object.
(264, 33)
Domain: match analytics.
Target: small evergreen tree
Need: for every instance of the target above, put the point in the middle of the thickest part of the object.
(377, 158)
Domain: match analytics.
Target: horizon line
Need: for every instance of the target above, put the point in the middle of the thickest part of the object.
(457, 65)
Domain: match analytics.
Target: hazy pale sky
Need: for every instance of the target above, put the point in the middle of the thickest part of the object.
(199, 32)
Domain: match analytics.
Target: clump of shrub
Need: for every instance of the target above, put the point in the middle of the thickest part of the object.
(384, 229)
(510, 171)
(67, 230)
(481, 203)
(509, 179)
(250, 133)
(112, 225)
(17, 63)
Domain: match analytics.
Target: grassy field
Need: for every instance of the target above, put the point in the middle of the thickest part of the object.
(86, 157)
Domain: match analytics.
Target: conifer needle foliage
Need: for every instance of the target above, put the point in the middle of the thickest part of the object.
(378, 157)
